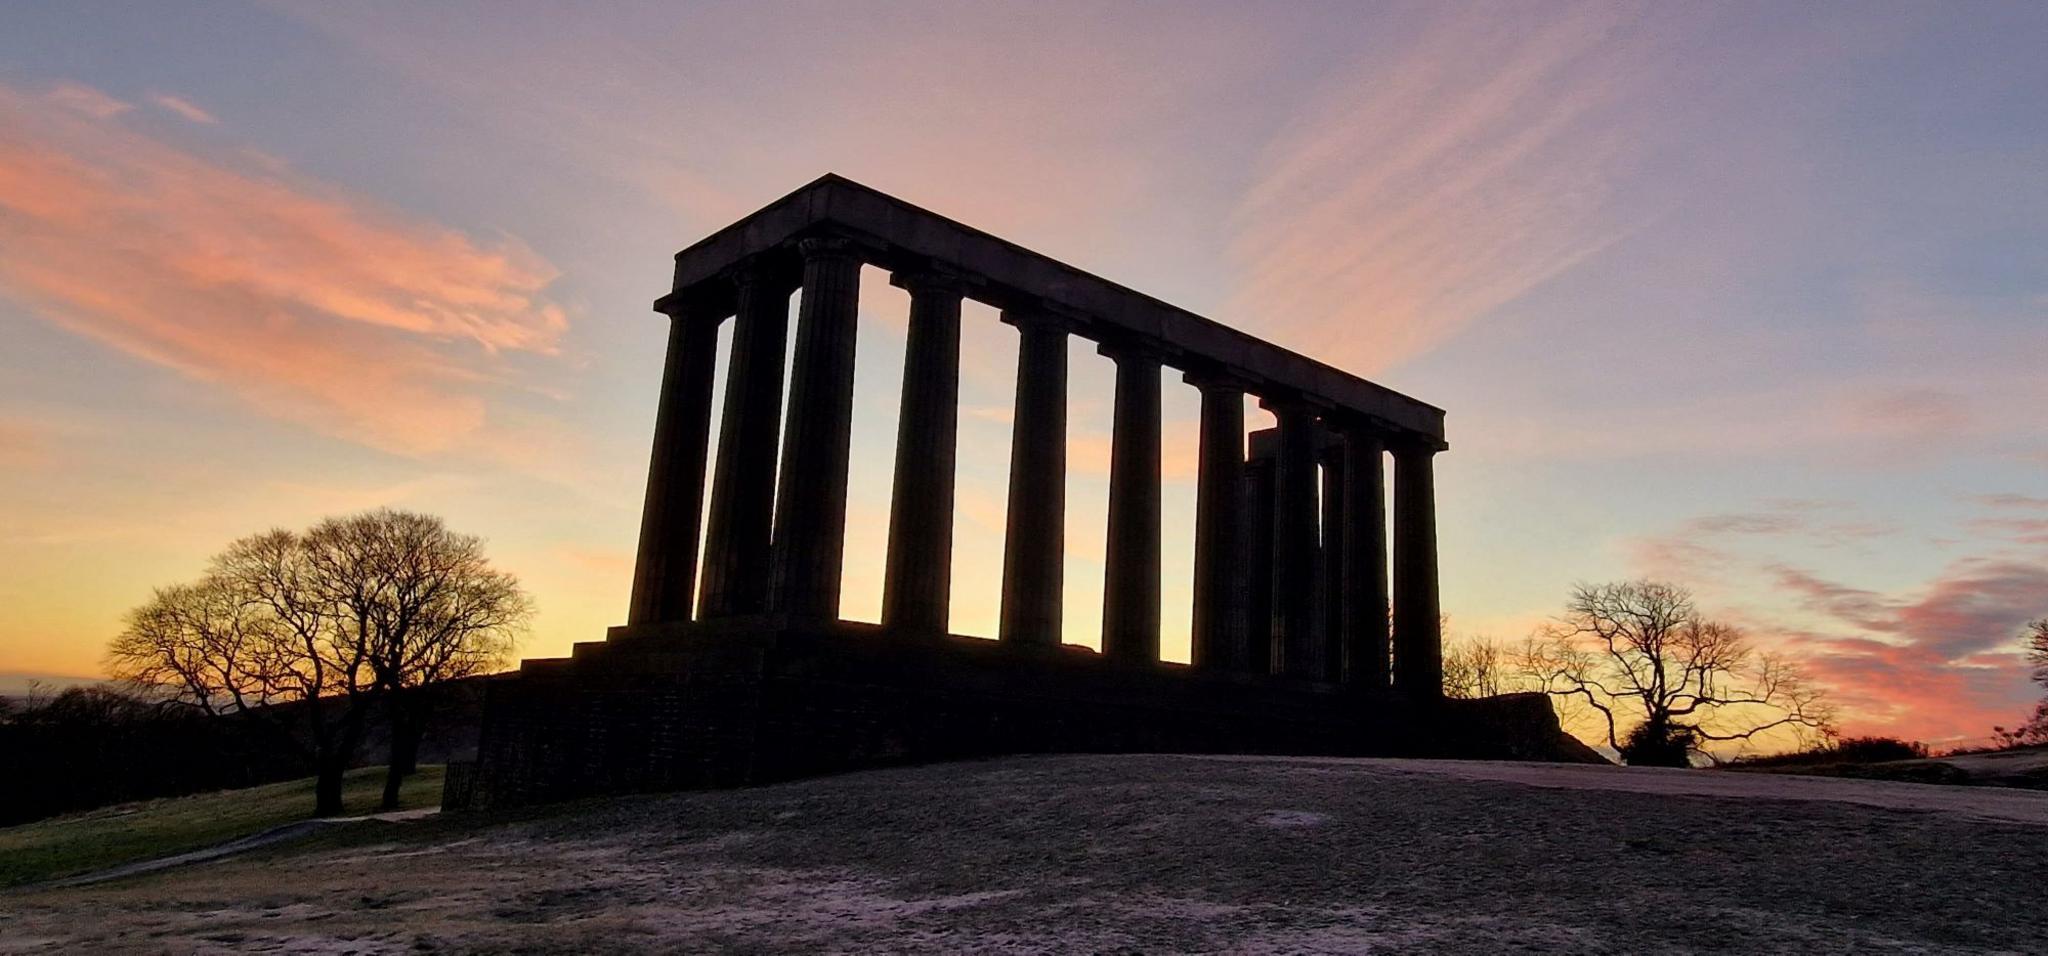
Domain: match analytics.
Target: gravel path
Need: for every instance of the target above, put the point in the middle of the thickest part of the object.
(1151, 854)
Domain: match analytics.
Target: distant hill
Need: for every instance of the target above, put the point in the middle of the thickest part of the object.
(18, 683)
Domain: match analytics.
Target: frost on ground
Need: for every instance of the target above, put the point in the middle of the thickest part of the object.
(1135, 853)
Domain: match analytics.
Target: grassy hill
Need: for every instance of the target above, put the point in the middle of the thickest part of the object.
(131, 832)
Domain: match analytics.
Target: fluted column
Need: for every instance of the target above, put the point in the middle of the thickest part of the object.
(1130, 584)
(1255, 652)
(1330, 609)
(1364, 592)
(918, 588)
(1418, 634)
(743, 479)
(1034, 535)
(665, 566)
(1219, 624)
(1294, 540)
(810, 503)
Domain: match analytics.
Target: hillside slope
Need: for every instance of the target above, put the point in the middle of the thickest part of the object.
(1140, 853)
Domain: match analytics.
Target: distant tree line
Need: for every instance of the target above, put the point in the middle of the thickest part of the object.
(90, 746)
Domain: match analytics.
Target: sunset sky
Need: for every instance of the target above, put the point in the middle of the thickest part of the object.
(1749, 297)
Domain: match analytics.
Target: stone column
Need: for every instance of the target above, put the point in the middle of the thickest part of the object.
(665, 567)
(743, 479)
(1034, 542)
(1418, 635)
(1219, 624)
(810, 503)
(1294, 540)
(917, 591)
(1130, 584)
(1255, 652)
(1330, 610)
(1364, 593)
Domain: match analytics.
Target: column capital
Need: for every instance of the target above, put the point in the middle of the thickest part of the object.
(1042, 318)
(826, 247)
(1287, 401)
(931, 279)
(1409, 445)
(1124, 349)
(1214, 379)
(763, 270)
(688, 310)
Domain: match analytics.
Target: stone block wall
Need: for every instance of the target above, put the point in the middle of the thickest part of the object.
(748, 702)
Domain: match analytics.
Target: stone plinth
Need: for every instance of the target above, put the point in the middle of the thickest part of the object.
(739, 702)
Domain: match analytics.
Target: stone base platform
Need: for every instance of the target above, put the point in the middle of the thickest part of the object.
(746, 701)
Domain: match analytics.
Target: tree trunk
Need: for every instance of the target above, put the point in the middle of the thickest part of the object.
(409, 725)
(406, 728)
(327, 787)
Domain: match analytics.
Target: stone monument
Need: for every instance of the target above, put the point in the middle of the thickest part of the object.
(1315, 620)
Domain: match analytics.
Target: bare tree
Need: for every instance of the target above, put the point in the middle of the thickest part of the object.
(431, 605)
(382, 603)
(1663, 680)
(2035, 730)
(258, 630)
(1476, 667)
(2037, 649)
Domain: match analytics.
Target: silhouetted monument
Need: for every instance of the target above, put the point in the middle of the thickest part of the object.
(753, 677)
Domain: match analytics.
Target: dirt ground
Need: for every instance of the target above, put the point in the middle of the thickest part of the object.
(1133, 854)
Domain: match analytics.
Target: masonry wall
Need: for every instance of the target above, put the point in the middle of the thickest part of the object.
(739, 703)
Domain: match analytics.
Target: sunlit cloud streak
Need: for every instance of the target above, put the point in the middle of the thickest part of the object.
(1440, 180)
(314, 306)
(183, 107)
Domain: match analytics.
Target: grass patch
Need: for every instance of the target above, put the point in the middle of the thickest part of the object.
(129, 832)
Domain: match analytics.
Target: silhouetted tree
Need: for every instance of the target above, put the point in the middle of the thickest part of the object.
(2035, 730)
(384, 602)
(1476, 667)
(431, 605)
(1665, 681)
(259, 629)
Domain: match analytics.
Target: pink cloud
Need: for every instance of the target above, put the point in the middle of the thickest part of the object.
(1976, 605)
(1938, 661)
(1938, 664)
(1909, 691)
(311, 305)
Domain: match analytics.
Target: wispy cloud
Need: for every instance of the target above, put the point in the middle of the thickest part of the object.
(311, 304)
(1941, 660)
(2022, 519)
(183, 107)
(80, 98)
(1440, 180)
